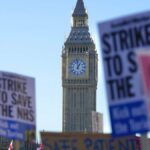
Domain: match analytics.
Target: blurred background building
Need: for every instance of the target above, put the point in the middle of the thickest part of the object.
(97, 122)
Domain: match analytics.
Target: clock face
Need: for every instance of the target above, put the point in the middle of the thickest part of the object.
(77, 67)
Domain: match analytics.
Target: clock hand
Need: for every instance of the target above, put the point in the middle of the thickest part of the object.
(78, 66)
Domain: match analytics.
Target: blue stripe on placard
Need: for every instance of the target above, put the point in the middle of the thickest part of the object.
(16, 130)
(129, 118)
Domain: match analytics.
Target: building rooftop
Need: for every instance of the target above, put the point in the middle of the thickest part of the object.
(79, 9)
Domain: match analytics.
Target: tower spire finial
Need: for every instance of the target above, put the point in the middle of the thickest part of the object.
(79, 9)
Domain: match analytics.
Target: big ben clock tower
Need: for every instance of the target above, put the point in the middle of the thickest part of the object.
(79, 74)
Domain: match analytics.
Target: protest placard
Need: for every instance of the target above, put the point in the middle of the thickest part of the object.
(120, 40)
(17, 106)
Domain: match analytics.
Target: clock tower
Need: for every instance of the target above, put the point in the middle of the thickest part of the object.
(79, 74)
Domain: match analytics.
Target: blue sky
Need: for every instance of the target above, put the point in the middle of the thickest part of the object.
(32, 33)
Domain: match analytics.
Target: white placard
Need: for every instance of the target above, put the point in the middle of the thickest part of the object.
(17, 106)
